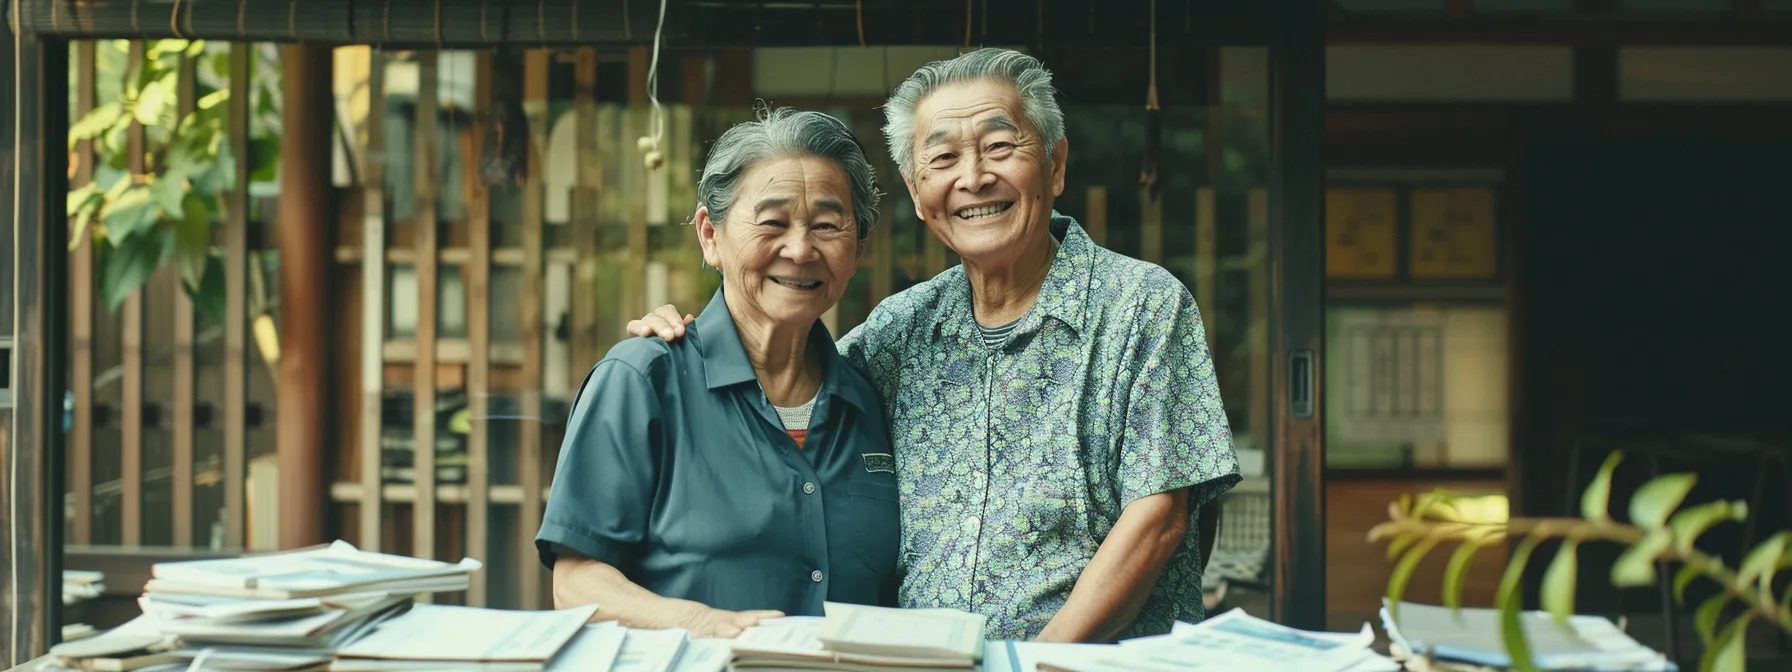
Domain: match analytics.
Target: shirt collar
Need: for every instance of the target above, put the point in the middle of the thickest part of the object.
(1061, 297)
(725, 357)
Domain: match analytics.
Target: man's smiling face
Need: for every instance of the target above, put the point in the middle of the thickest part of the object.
(983, 180)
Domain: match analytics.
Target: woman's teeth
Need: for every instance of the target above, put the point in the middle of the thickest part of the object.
(798, 284)
(983, 211)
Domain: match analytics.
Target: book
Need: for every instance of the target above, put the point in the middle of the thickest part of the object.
(795, 642)
(324, 628)
(323, 570)
(919, 634)
(1472, 635)
(594, 648)
(447, 638)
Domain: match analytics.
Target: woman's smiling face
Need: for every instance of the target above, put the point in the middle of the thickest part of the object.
(789, 243)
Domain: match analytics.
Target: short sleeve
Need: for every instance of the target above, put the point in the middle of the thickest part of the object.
(604, 482)
(1176, 433)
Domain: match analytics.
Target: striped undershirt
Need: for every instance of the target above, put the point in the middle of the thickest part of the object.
(995, 336)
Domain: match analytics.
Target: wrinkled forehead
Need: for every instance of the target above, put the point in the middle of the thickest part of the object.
(811, 183)
(969, 108)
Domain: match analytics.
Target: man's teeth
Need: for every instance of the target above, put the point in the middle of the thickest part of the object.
(984, 211)
(798, 284)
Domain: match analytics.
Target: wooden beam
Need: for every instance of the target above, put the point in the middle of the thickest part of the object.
(479, 270)
(373, 303)
(1592, 32)
(80, 438)
(236, 306)
(585, 216)
(1258, 253)
(634, 180)
(535, 105)
(186, 100)
(1095, 215)
(304, 234)
(131, 385)
(423, 391)
(1207, 265)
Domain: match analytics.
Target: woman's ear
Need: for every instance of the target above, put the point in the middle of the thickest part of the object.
(706, 237)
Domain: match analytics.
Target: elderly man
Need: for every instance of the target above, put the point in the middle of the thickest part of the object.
(1052, 405)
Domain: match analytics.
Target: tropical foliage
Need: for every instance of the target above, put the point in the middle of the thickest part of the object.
(140, 220)
(1658, 531)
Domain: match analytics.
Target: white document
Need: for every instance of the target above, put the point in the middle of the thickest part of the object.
(594, 648)
(705, 655)
(790, 634)
(331, 568)
(650, 650)
(430, 632)
(1236, 642)
(909, 633)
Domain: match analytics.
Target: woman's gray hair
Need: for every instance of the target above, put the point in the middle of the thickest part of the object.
(784, 132)
(1038, 100)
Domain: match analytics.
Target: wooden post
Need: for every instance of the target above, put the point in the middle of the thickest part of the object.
(479, 269)
(1207, 262)
(305, 252)
(1259, 316)
(1095, 220)
(535, 104)
(80, 438)
(1151, 227)
(373, 302)
(236, 306)
(131, 393)
(184, 385)
(423, 391)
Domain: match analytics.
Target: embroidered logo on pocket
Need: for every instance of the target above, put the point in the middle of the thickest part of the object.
(880, 462)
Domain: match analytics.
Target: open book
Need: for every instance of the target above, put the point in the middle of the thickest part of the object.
(855, 638)
(322, 570)
(447, 638)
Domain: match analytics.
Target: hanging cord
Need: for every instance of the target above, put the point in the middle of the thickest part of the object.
(859, 12)
(174, 21)
(656, 123)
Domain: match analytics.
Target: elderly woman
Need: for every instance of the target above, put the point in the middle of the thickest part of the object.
(1059, 421)
(744, 471)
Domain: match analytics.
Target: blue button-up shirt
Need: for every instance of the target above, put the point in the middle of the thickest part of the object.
(1016, 461)
(677, 471)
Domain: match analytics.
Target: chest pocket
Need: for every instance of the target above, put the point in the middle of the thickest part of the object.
(871, 496)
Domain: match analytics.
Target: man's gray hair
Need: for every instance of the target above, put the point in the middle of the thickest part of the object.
(1038, 100)
(784, 132)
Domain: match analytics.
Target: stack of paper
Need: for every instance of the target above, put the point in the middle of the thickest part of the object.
(78, 587)
(278, 611)
(1473, 636)
(857, 638)
(447, 638)
(1233, 642)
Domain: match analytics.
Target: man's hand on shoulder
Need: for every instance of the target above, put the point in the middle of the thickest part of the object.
(663, 322)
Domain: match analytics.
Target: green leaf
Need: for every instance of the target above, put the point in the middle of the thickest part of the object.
(158, 48)
(1508, 599)
(130, 211)
(1727, 653)
(1689, 524)
(97, 121)
(192, 239)
(1761, 562)
(128, 266)
(1403, 573)
(1558, 583)
(1400, 543)
(213, 99)
(1658, 498)
(148, 107)
(1636, 566)
(1457, 570)
(168, 189)
(264, 156)
(1595, 502)
(1705, 619)
(208, 298)
(1682, 579)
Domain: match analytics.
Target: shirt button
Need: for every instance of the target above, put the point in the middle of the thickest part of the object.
(815, 576)
(809, 488)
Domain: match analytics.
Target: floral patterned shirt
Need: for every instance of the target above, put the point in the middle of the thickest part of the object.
(1014, 462)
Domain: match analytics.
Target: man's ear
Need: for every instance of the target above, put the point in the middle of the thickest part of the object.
(706, 237)
(1060, 159)
(913, 197)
